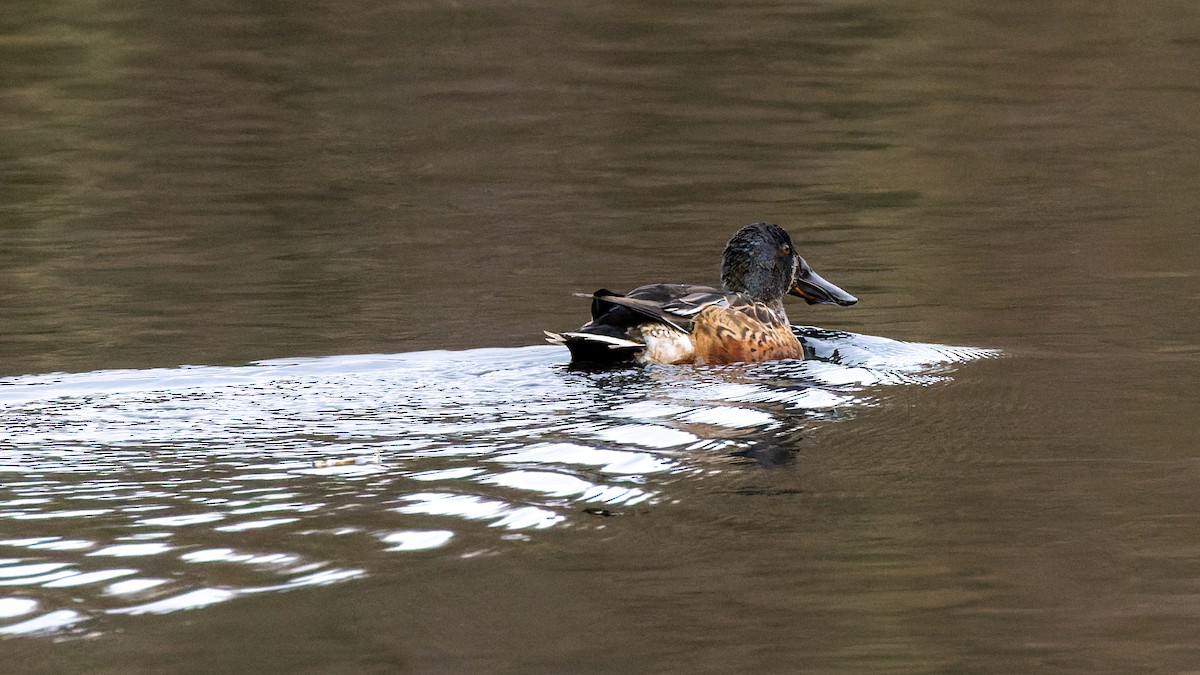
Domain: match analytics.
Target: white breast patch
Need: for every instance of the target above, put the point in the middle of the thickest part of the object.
(665, 344)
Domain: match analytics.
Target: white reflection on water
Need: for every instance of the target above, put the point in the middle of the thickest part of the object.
(416, 540)
(229, 555)
(648, 435)
(256, 524)
(190, 600)
(50, 622)
(132, 550)
(87, 578)
(471, 507)
(207, 483)
(546, 482)
(132, 586)
(606, 460)
(10, 607)
(29, 570)
(179, 521)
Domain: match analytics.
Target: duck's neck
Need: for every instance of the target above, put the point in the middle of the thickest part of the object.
(774, 314)
(771, 301)
(776, 306)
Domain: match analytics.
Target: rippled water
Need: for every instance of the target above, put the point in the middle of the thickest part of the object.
(221, 182)
(133, 492)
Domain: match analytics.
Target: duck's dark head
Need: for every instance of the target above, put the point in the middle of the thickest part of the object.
(761, 262)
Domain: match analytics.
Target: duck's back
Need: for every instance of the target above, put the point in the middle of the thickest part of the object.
(615, 314)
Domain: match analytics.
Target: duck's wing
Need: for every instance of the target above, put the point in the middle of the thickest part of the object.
(699, 300)
(673, 305)
(693, 304)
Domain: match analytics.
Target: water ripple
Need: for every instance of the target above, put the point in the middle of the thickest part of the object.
(144, 492)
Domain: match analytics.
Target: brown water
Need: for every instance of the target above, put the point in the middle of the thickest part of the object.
(339, 188)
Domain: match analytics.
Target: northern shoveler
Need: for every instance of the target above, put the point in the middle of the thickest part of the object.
(744, 320)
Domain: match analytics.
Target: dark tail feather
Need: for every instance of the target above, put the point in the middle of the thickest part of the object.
(593, 348)
(600, 305)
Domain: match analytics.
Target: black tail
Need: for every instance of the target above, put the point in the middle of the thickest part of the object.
(595, 348)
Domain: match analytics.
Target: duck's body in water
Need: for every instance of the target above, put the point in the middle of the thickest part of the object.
(743, 321)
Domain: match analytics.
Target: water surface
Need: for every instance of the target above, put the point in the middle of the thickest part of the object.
(379, 207)
(156, 491)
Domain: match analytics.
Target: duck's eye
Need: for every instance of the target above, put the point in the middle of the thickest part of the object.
(786, 249)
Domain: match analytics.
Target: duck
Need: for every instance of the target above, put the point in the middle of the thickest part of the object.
(743, 321)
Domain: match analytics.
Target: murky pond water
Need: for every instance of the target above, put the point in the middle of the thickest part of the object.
(354, 219)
